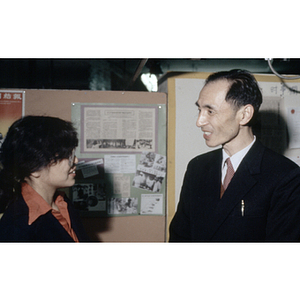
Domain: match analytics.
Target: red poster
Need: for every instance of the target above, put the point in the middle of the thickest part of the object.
(11, 109)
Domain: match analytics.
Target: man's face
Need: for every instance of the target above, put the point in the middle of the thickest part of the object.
(218, 119)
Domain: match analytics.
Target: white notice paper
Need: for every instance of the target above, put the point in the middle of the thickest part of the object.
(151, 204)
(293, 121)
(119, 164)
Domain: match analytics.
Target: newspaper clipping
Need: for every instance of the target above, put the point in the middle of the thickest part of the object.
(129, 129)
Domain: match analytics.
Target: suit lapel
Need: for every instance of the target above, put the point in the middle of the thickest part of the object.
(241, 184)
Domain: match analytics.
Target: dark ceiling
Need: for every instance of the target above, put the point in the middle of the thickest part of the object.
(119, 74)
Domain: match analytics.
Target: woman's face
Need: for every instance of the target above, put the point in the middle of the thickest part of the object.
(60, 174)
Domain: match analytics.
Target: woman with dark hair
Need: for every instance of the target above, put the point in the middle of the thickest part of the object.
(37, 158)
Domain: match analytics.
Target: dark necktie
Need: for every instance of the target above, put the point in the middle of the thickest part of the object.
(229, 173)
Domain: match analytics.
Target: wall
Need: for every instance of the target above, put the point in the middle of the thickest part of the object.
(185, 139)
(108, 229)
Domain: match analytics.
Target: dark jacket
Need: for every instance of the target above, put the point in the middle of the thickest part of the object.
(14, 225)
(267, 183)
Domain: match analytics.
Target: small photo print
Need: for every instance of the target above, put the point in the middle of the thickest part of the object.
(89, 196)
(150, 172)
(123, 206)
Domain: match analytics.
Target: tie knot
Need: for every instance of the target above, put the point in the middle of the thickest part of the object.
(228, 162)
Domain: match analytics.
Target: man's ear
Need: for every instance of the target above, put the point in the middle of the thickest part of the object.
(247, 112)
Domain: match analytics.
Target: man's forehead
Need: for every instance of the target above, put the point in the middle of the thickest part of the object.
(214, 91)
(218, 85)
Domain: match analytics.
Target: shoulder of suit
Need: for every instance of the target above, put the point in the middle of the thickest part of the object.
(270, 159)
(279, 159)
(207, 157)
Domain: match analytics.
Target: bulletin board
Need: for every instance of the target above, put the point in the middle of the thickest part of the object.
(122, 159)
(279, 123)
(123, 212)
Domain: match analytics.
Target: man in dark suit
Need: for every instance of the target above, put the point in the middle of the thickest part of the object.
(253, 196)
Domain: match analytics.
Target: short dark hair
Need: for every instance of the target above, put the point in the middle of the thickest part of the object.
(244, 88)
(31, 144)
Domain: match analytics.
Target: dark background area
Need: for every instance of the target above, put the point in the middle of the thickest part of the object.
(119, 74)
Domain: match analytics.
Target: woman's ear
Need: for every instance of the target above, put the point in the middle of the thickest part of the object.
(247, 112)
(31, 178)
(35, 174)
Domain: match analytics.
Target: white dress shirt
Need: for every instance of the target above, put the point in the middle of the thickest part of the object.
(235, 158)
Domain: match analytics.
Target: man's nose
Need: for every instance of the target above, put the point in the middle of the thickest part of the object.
(201, 120)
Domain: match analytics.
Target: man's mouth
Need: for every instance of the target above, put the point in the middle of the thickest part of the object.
(207, 133)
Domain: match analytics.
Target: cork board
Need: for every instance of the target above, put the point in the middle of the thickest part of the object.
(57, 103)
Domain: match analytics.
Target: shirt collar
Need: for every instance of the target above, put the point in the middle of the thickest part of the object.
(237, 157)
(36, 204)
